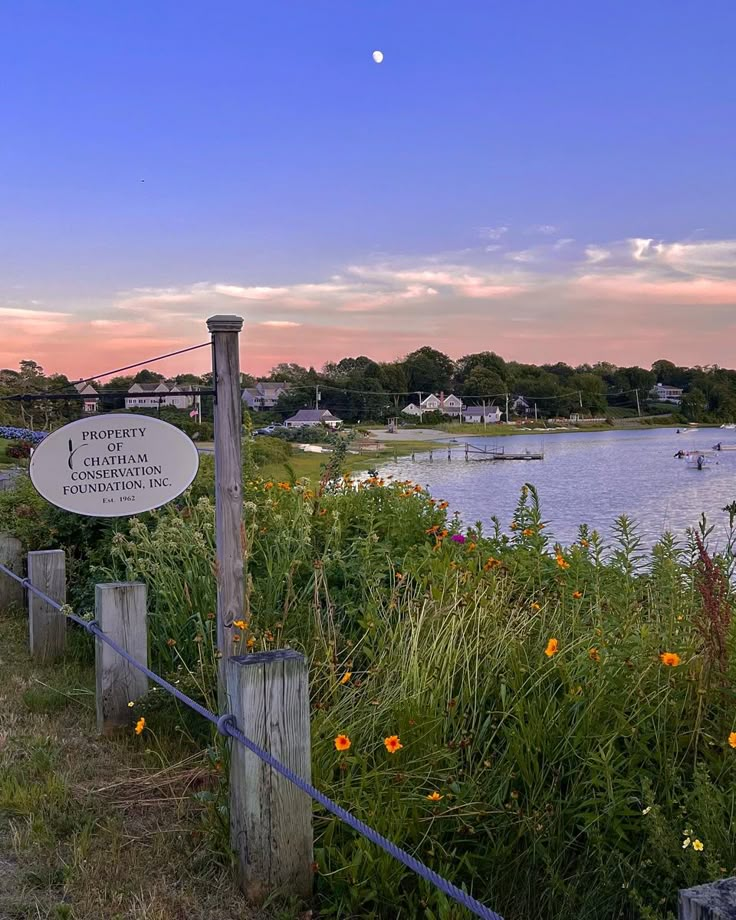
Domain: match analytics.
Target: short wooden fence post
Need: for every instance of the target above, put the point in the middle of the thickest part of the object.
(120, 611)
(47, 627)
(270, 819)
(716, 901)
(11, 556)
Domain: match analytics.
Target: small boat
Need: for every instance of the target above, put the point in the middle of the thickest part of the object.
(698, 460)
(730, 426)
(719, 446)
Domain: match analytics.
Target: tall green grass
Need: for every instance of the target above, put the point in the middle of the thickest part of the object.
(566, 781)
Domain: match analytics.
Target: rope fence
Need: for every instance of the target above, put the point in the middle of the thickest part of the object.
(226, 725)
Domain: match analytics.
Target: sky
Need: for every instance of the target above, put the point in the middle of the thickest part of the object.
(550, 181)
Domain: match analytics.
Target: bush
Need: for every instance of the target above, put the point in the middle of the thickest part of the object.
(19, 450)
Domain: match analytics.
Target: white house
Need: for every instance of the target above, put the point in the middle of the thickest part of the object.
(491, 415)
(264, 395)
(411, 409)
(153, 395)
(663, 393)
(448, 405)
(91, 401)
(310, 418)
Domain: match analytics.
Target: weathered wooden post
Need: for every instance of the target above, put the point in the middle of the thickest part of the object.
(228, 410)
(11, 556)
(270, 819)
(716, 901)
(120, 610)
(47, 627)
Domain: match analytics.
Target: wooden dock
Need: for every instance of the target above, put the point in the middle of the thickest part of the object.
(474, 454)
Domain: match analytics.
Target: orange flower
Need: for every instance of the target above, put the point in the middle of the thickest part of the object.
(560, 559)
(443, 506)
(577, 595)
(536, 606)
(527, 532)
(470, 547)
(670, 659)
(399, 577)
(417, 488)
(268, 485)
(552, 648)
(433, 529)
(594, 654)
(492, 563)
(237, 637)
(732, 739)
(241, 624)
(585, 544)
(140, 725)
(392, 744)
(346, 677)
(435, 796)
(342, 743)
(251, 642)
(171, 642)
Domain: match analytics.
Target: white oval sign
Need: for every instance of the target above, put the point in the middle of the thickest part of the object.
(114, 465)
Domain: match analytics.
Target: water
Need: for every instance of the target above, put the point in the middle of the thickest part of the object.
(589, 478)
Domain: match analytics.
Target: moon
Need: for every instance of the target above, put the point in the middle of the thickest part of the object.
(378, 56)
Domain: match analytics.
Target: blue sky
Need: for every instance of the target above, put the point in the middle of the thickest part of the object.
(163, 161)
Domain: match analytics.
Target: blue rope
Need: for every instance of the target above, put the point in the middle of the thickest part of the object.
(226, 725)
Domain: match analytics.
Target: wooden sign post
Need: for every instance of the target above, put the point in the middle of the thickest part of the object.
(228, 485)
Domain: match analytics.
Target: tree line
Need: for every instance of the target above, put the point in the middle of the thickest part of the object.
(364, 389)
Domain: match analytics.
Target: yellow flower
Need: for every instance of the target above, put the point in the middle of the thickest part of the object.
(732, 739)
(670, 659)
(131, 704)
(241, 624)
(552, 648)
(140, 725)
(346, 677)
(697, 845)
(251, 642)
(342, 743)
(435, 796)
(392, 744)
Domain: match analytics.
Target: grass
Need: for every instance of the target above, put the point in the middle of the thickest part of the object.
(92, 828)
(309, 465)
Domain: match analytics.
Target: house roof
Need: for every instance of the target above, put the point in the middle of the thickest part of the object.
(478, 410)
(86, 388)
(271, 387)
(313, 415)
(159, 387)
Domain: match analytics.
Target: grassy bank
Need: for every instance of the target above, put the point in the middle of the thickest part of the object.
(551, 727)
(93, 828)
(309, 465)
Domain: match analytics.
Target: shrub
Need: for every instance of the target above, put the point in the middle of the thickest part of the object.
(19, 450)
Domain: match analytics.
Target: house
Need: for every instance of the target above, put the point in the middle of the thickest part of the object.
(153, 395)
(310, 418)
(663, 393)
(91, 401)
(448, 405)
(264, 395)
(411, 409)
(491, 415)
(520, 406)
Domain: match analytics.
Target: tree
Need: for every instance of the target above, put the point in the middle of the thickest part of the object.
(146, 376)
(428, 370)
(483, 360)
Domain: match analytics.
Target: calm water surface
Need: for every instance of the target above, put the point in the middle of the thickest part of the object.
(589, 478)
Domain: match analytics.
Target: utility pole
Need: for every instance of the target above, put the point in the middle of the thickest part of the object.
(485, 423)
(507, 408)
(535, 412)
(638, 405)
(317, 397)
(421, 414)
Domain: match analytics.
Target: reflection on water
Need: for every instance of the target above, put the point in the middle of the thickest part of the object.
(590, 478)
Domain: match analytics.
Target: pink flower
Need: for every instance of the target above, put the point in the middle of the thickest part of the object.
(458, 538)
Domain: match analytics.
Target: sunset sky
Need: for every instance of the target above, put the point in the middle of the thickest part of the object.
(548, 180)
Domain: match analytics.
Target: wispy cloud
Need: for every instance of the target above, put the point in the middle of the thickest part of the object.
(492, 233)
(558, 300)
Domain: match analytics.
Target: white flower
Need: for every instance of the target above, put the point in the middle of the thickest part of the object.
(686, 843)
